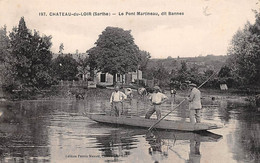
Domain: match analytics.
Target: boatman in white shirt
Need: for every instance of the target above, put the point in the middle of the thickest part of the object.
(116, 101)
(195, 104)
(157, 98)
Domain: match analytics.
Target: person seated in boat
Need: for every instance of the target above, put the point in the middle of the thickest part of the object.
(157, 98)
(116, 101)
(195, 103)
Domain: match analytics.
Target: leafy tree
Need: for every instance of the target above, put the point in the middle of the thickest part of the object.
(161, 75)
(225, 71)
(244, 53)
(208, 72)
(183, 68)
(145, 56)
(6, 75)
(187, 74)
(182, 73)
(115, 52)
(83, 64)
(4, 44)
(61, 48)
(65, 67)
(30, 58)
(194, 69)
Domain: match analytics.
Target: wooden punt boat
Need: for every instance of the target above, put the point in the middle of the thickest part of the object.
(146, 123)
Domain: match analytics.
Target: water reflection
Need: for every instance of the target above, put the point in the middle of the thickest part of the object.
(51, 131)
(166, 140)
(246, 143)
(24, 134)
(121, 141)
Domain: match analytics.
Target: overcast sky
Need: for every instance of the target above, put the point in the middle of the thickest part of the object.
(206, 27)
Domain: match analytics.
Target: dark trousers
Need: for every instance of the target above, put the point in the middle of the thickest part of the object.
(154, 108)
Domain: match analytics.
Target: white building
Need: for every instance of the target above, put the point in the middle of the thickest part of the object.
(107, 79)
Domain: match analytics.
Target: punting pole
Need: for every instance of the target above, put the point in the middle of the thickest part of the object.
(179, 103)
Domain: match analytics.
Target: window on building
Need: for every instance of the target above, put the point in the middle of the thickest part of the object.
(118, 78)
(103, 77)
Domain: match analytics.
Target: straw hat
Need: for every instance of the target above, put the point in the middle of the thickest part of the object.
(192, 84)
(157, 88)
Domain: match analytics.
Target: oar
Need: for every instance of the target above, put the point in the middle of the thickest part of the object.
(179, 103)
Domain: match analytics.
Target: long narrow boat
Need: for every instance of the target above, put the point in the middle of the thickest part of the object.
(146, 123)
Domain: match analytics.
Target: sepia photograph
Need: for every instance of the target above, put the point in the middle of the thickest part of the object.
(137, 81)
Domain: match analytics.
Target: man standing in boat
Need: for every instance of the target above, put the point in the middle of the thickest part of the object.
(157, 98)
(116, 101)
(195, 104)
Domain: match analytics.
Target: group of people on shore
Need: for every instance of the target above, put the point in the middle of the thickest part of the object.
(157, 98)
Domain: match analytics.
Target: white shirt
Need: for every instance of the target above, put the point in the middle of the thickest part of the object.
(157, 98)
(117, 96)
(195, 102)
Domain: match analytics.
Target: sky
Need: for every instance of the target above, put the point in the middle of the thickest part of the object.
(206, 27)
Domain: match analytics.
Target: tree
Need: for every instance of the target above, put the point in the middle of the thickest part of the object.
(4, 55)
(115, 52)
(4, 44)
(161, 74)
(145, 56)
(83, 65)
(65, 67)
(208, 72)
(184, 67)
(61, 48)
(225, 71)
(244, 54)
(30, 58)
(182, 74)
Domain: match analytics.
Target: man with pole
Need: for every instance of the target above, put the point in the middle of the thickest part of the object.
(150, 128)
(157, 98)
(195, 104)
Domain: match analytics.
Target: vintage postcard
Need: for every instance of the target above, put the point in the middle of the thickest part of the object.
(129, 81)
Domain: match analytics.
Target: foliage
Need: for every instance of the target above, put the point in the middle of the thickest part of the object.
(244, 54)
(28, 65)
(159, 74)
(4, 44)
(83, 64)
(208, 72)
(225, 71)
(65, 67)
(115, 52)
(61, 48)
(5, 75)
(145, 56)
(182, 73)
(185, 74)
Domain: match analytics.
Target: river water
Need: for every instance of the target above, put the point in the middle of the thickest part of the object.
(56, 130)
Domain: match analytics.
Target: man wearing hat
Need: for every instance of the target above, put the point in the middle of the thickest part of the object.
(116, 101)
(157, 98)
(195, 104)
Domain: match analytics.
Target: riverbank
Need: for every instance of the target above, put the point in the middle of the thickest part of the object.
(208, 95)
